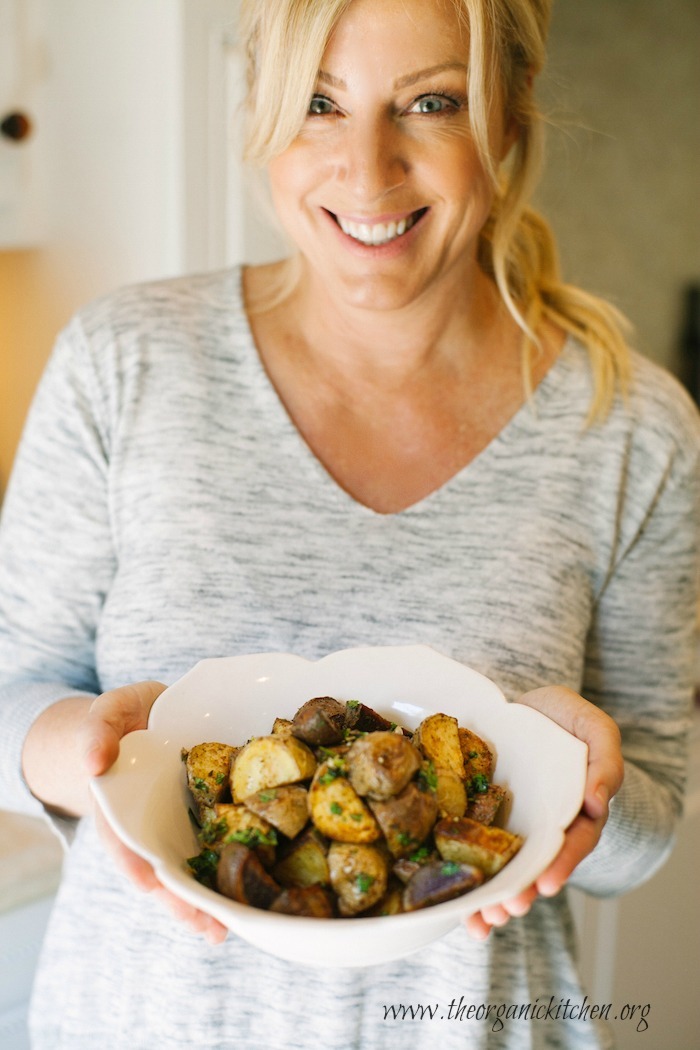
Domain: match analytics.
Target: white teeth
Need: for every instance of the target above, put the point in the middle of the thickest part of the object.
(379, 233)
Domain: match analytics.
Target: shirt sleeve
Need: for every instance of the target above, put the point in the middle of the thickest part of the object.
(56, 555)
(641, 652)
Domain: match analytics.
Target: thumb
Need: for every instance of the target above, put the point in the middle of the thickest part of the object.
(111, 716)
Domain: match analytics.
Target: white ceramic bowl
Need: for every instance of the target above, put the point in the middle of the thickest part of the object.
(145, 798)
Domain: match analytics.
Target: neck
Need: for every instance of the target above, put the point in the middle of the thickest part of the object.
(449, 328)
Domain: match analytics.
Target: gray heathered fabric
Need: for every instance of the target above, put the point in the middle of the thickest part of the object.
(164, 509)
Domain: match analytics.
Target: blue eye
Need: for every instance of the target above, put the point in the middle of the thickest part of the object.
(320, 106)
(434, 104)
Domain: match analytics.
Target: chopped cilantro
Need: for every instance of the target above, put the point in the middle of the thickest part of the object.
(212, 831)
(363, 881)
(267, 796)
(200, 784)
(427, 777)
(219, 778)
(204, 866)
(352, 704)
(253, 837)
(336, 808)
(356, 816)
(404, 839)
(450, 867)
(420, 855)
(477, 785)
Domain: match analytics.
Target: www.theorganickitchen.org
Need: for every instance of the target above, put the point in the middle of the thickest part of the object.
(541, 1009)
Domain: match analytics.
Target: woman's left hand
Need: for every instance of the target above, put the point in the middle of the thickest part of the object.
(603, 780)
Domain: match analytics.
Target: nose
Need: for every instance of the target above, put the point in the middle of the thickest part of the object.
(371, 158)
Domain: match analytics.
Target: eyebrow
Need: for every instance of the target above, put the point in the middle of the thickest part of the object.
(402, 82)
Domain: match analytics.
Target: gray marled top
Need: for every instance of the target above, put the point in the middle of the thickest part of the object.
(164, 509)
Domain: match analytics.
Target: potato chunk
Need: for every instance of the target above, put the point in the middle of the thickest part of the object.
(285, 807)
(407, 819)
(381, 764)
(477, 755)
(464, 841)
(319, 722)
(450, 793)
(439, 881)
(359, 875)
(438, 738)
(208, 766)
(484, 805)
(233, 823)
(241, 876)
(304, 862)
(337, 810)
(315, 902)
(267, 762)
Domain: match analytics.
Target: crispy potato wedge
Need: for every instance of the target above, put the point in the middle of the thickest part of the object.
(285, 807)
(380, 764)
(303, 862)
(320, 722)
(208, 766)
(337, 810)
(438, 738)
(439, 881)
(315, 902)
(241, 876)
(407, 819)
(464, 841)
(484, 806)
(268, 761)
(450, 794)
(478, 756)
(359, 874)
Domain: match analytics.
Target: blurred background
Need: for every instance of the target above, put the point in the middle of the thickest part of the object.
(118, 163)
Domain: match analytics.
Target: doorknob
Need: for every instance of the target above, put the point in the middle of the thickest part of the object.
(16, 126)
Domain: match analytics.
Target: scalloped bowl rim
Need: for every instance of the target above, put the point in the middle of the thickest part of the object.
(145, 800)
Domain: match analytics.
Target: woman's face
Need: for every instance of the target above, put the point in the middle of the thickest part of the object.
(383, 191)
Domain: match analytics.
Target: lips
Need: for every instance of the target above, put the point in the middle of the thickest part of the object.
(378, 233)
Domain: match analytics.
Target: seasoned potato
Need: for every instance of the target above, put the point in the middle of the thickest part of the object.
(241, 876)
(282, 727)
(484, 805)
(337, 810)
(438, 738)
(319, 722)
(303, 862)
(359, 875)
(464, 841)
(233, 823)
(450, 794)
(315, 902)
(208, 767)
(268, 761)
(380, 764)
(285, 807)
(392, 901)
(477, 755)
(439, 881)
(407, 819)
(405, 867)
(362, 719)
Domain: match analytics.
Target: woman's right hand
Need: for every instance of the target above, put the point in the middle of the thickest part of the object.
(110, 717)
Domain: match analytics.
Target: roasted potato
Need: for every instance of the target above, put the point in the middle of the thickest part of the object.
(477, 755)
(208, 767)
(407, 819)
(285, 807)
(282, 727)
(484, 805)
(439, 881)
(450, 794)
(464, 841)
(437, 737)
(241, 876)
(268, 761)
(362, 719)
(313, 901)
(359, 875)
(232, 823)
(303, 862)
(337, 810)
(380, 764)
(320, 722)
(392, 901)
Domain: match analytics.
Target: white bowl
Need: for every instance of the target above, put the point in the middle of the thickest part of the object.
(145, 799)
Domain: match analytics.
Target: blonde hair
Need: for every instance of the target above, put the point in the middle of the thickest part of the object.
(284, 42)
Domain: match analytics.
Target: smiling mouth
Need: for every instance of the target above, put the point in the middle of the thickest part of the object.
(375, 234)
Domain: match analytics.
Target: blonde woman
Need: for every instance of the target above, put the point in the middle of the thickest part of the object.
(409, 431)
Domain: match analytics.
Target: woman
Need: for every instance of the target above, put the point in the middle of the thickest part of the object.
(411, 432)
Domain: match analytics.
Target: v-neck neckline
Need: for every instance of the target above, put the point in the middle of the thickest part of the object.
(520, 422)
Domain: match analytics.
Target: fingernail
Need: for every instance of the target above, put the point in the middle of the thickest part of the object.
(91, 757)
